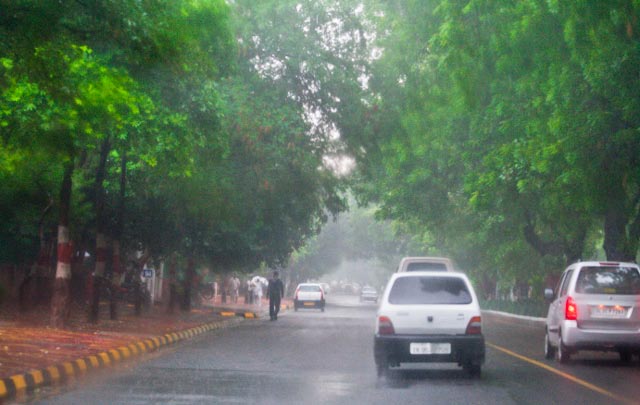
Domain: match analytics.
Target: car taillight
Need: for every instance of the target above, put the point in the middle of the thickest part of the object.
(385, 327)
(474, 327)
(571, 310)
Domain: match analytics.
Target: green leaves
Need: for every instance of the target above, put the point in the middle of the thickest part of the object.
(513, 110)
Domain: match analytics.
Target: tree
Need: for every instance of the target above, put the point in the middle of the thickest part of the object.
(93, 98)
(500, 130)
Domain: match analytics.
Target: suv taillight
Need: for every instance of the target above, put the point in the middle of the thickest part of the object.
(570, 310)
(474, 327)
(385, 327)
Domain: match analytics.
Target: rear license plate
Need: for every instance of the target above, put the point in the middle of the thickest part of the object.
(430, 348)
(309, 304)
(607, 311)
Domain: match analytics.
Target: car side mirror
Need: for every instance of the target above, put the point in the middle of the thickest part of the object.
(548, 294)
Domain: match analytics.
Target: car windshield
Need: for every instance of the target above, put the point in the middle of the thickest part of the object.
(429, 290)
(309, 288)
(608, 280)
(426, 267)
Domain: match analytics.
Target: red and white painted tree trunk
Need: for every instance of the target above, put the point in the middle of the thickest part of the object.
(61, 287)
(61, 300)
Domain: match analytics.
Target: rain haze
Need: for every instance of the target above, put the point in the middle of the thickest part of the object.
(211, 201)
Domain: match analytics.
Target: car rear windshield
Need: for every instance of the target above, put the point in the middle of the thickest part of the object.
(608, 280)
(429, 290)
(309, 288)
(426, 267)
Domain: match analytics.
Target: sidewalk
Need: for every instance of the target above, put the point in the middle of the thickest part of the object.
(33, 355)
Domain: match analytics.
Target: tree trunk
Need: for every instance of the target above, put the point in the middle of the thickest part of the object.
(115, 280)
(98, 276)
(188, 285)
(617, 244)
(32, 287)
(173, 293)
(101, 239)
(61, 288)
(570, 247)
(119, 230)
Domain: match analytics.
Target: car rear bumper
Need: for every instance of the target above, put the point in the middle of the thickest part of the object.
(308, 303)
(598, 339)
(394, 349)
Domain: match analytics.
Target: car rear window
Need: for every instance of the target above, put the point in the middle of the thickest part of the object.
(426, 267)
(429, 290)
(608, 280)
(309, 288)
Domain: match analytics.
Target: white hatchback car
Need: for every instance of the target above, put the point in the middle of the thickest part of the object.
(428, 317)
(309, 295)
(368, 294)
(596, 306)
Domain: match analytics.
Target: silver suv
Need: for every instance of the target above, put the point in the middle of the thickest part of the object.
(594, 307)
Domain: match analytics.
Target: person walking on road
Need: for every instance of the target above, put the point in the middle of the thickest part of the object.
(275, 293)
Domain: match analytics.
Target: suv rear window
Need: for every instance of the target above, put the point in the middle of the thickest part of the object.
(608, 280)
(426, 267)
(429, 290)
(309, 288)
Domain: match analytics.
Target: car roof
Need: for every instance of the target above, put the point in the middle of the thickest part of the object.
(604, 263)
(434, 258)
(455, 274)
(405, 262)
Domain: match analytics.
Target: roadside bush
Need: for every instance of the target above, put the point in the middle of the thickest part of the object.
(527, 307)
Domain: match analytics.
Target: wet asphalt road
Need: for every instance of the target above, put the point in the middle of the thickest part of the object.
(313, 357)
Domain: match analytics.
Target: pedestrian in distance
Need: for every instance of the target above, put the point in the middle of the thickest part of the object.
(248, 295)
(257, 292)
(275, 293)
(234, 287)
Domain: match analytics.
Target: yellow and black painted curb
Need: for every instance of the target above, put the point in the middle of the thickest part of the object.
(20, 384)
(246, 315)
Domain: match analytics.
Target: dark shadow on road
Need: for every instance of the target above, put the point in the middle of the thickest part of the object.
(406, 378)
